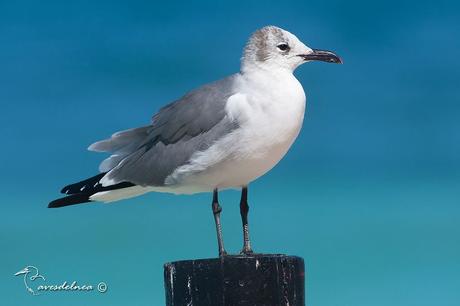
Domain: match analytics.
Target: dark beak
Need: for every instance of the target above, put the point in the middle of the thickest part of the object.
(322, 55)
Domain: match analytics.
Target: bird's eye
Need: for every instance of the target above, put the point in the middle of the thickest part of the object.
(283, 47)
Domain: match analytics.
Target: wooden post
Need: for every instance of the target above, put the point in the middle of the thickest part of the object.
(254, 280)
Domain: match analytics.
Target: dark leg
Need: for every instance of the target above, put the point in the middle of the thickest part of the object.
(244, 209)
(216, 209)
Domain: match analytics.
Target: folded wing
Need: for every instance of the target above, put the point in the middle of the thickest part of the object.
(145, 156)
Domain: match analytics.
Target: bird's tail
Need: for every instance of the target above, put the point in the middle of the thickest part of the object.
(82, 192)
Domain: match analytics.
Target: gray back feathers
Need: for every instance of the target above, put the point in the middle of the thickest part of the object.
(147, 155)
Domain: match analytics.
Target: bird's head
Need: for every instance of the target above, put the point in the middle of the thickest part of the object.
(23, 271)
(274, 48)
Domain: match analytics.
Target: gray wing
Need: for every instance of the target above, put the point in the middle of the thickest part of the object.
(147, 155)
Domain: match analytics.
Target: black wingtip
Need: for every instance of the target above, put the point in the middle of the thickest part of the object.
(73, 199)
(85, 185)
(81, 192)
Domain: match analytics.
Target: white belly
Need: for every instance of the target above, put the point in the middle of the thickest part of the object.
(268, 127)
(237, 172)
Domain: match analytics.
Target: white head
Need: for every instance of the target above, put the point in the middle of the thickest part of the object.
(273, 48)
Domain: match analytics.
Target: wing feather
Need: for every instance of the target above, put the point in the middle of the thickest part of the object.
(145, 156)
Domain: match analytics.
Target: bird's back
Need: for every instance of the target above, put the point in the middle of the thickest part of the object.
(146, 156)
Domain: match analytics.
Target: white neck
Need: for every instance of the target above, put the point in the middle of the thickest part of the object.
(249, 66)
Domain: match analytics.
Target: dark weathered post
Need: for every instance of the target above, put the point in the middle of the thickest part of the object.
(253, 280)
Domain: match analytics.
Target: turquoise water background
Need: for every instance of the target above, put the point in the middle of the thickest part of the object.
(368, 194)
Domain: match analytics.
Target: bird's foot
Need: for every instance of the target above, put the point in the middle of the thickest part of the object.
(222, 253)
(246, 251)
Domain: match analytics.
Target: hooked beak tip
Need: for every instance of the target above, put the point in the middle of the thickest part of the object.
(323, 56)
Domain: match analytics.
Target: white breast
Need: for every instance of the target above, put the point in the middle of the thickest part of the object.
(270, 114)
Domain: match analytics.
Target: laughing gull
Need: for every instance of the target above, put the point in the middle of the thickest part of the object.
(222, 135)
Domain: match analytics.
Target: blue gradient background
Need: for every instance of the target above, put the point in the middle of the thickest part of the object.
(368, 195)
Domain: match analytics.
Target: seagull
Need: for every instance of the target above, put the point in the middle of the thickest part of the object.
(222, 135)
